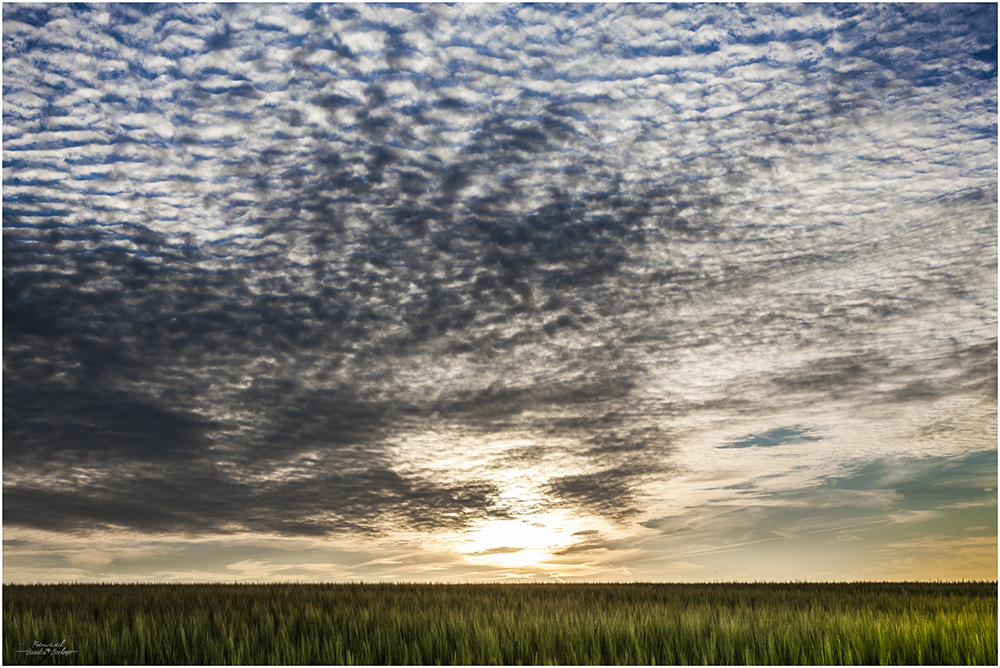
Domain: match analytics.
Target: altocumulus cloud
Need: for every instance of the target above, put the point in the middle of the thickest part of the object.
(266, 267)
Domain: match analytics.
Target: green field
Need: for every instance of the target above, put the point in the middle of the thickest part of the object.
(484, 624)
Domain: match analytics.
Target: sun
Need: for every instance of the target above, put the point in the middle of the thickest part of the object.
(526, 526)
(516, 543)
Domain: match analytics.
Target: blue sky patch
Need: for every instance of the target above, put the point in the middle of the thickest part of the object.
(780, 436)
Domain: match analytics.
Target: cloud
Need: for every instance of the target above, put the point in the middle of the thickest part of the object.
(249, 251)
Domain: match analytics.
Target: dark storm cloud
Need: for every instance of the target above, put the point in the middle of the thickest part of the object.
(194, 498)
(608, 492)
(104, 427)
(247, 247)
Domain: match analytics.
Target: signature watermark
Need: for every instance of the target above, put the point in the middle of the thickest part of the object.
(46, 649)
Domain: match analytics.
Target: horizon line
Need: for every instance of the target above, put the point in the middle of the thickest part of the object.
(496, 582)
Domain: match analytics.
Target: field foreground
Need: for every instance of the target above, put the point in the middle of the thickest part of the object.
(483, 624)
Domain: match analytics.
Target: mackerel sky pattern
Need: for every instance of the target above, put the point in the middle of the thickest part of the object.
(324, 270)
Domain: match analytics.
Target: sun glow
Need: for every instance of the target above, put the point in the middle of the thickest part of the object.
(515, 543)
(527, 526)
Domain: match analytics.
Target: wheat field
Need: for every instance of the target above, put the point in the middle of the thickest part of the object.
(505, 624)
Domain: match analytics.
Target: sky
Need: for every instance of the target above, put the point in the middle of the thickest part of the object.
(499, 292)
